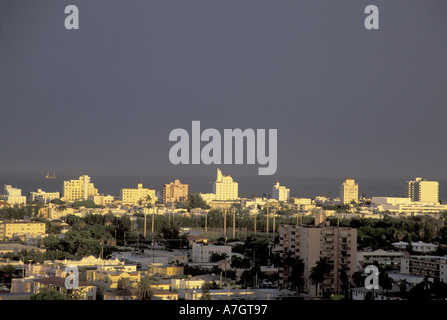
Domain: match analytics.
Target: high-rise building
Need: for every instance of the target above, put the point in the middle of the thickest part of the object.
(175, 191)
(79, 189)
(13, 195)
(225, 188)
(349, 191)
(134, 196)
(337, 245)
(280, 193)
(422, 190)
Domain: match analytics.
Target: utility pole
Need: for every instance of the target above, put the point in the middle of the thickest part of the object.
(267, 221)
(225, 223)
(234, 223)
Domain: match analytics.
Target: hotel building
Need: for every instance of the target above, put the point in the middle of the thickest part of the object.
(349, 191)
(133, 196)
(79, 189)
(225, 188)
(421, 190)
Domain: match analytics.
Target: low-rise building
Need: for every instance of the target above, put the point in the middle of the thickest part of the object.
(203, 253)
(86, 290)
(165, 270)
(11, 229)
(430, 266)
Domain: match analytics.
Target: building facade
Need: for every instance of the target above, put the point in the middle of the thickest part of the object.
(13, 196)
(42, 196)
(175, 191)
(422, 190)
(8, 230)
(280, 193)
(80, 189)
(225, 188)
(349, 191)
(337, 245)
(134, 196)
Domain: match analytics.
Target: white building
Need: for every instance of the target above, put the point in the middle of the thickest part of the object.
(280, 193)
(203, 253)
(42, 196)
(14, 196)
(79, 189)
(225, 188)
(417, 246)
(405, 205)
(422, 190)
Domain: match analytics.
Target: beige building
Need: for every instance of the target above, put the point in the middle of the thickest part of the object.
(225, 188)
(338, 245)
(102, 200)
(280, 193)
(422, 190)
(175, 191)
(9, 230)
(349, 191)
(165, 270)
(107, 279)
(134, 196)
(79, 189)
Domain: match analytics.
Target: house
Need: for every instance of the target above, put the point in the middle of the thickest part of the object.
(87, 290)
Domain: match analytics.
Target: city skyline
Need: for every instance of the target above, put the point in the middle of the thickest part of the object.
(345, 100)
(306, 188)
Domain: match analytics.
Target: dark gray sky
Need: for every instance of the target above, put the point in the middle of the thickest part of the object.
(103, 99)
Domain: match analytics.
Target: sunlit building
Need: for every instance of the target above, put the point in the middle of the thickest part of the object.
(134, 196)
(225, 188)
(79, 189)
(422, 190)
(349, 191)
(175, 191)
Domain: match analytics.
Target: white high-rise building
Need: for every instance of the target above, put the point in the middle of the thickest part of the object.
(225, 188)
(421, 190)
(349, 191)
(280, 193)
(79, 189)
(14, 196)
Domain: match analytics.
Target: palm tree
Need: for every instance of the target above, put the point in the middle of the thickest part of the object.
(385, 281)
(143, 289)
(403, 287)
(319, 271)
(344, 278)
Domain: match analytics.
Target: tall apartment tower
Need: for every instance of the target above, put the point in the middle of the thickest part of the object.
(175, 191)
(225, 188)
(422, 190)
(338, 245)
(349, 191)
(79, 189)
(280, 193)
